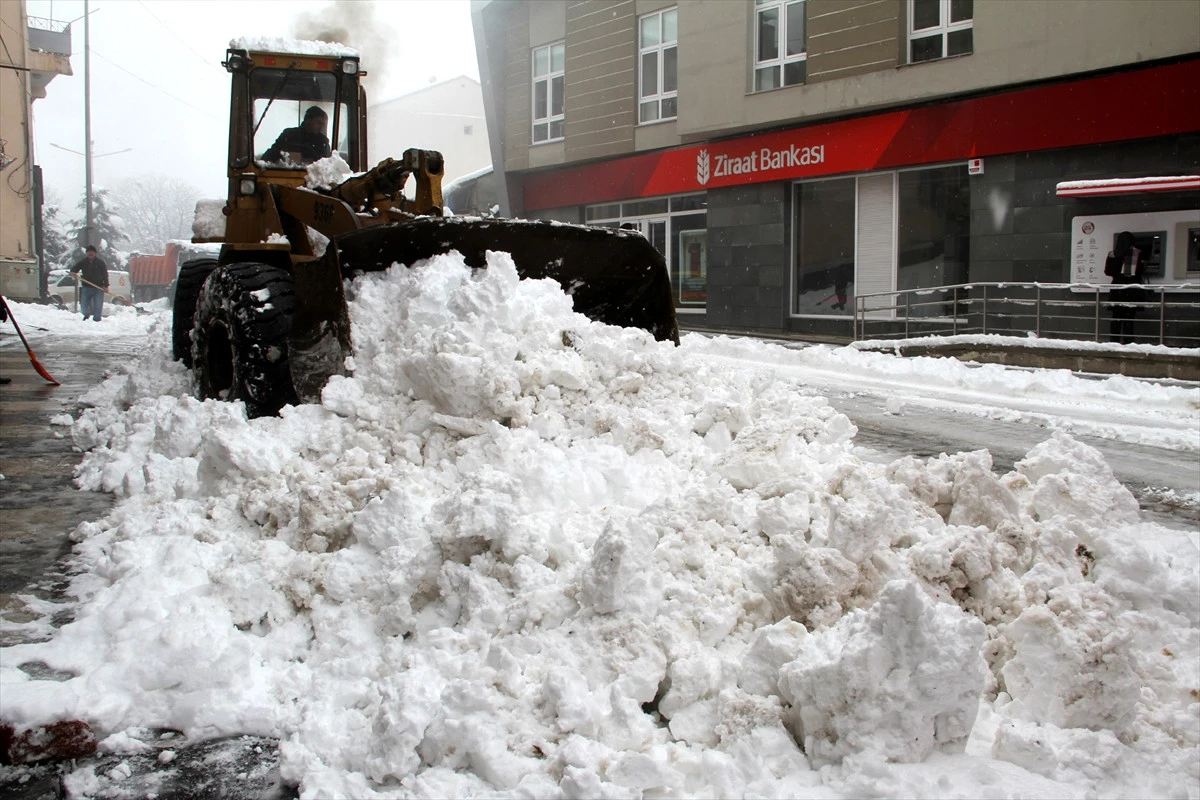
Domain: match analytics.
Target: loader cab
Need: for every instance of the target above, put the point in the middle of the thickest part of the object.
(273, 92)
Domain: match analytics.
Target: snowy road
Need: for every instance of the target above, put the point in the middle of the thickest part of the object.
(905, 412)
(933, 427)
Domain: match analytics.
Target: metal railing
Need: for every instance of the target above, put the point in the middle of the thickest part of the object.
(1142, 313)
(49, 35)
(47, 24)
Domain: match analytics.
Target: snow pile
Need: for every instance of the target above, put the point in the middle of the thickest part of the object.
(519, 553)
(209, 219)
(899, 679)
(326, 173)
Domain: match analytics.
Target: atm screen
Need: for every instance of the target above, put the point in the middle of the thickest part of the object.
(1150, 243)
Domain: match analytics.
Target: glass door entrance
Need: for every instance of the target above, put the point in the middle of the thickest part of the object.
(654, 229)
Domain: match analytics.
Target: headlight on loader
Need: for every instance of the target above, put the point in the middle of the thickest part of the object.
(247, 185)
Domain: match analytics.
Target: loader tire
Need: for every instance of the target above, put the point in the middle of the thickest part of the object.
(240, 337)
(192, 275)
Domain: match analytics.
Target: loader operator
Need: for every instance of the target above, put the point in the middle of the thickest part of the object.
(308, 141)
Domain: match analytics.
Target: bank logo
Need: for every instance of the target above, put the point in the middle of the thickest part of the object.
(702, 172)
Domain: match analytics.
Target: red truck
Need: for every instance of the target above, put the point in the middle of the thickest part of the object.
(154, 276)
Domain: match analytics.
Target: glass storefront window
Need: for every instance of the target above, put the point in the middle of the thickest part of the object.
(824, 225)
(690, 260)
(689, 202)
(933, 232)
(642, 208)
(608, 211)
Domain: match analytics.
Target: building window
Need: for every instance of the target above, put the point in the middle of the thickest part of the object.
(689, 260)
(939, 28)
(842, 244)
(780, 46)
(658, 84)
(549, 67)
(933, 230)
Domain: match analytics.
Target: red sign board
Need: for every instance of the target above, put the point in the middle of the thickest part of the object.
(1130, 105)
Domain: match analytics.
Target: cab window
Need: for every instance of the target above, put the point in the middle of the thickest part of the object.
(281, 100)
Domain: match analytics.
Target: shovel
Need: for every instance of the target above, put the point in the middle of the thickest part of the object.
(32, 358)
(115, 298)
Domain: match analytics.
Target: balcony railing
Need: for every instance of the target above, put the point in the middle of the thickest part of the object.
(1141, 313)
(49, 35)
(47, 24)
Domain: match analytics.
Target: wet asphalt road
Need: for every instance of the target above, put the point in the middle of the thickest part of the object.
(39, 508)
(39, 504)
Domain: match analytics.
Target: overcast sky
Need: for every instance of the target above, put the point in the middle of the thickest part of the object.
(159, 90)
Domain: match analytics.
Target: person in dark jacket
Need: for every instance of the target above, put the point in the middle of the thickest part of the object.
(1124, 266)
(308, 141)
(94, 273)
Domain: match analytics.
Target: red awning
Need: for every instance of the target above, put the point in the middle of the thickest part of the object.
(1179, 183)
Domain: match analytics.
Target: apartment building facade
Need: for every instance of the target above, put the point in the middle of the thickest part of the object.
(35, 50)
(788, 155)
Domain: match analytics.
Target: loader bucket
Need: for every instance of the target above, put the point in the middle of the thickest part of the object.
(614, 276)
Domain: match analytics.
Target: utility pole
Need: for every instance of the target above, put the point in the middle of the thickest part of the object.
(87, 122)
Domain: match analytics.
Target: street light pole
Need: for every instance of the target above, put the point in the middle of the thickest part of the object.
(87, 121)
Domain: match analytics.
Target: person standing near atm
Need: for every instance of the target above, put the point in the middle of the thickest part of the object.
(1125, 266)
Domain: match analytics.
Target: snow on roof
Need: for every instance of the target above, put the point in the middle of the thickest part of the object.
(283, 44)
(436, 85)
(1123, 185)
(470, 176)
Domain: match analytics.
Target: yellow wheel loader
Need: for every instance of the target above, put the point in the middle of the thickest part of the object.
(266, 322)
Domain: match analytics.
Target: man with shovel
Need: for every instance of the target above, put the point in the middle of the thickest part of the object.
(95, 283)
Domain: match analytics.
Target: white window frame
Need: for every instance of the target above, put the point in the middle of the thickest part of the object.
(660, 105)
(777, 66)
(942, 30)
(555, 67)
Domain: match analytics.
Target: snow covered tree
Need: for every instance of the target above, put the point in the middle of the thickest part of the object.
(56, 241)
(155, 209)
(107, 230)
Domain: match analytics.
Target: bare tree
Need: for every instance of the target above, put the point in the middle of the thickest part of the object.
(155, 208)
